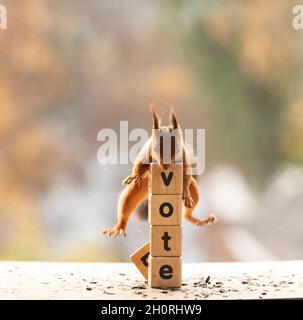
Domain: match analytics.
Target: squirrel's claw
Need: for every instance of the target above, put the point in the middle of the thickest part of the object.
(107, 232)
(129, 179)
(122, 232)
(138, 179)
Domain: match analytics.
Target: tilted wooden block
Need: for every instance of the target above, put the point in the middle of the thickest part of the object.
(140, 259)
(165, 272)
(164, 210)
(168, 181)
(165, 241)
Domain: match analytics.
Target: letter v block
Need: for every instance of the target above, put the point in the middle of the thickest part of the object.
(168, 181)
(140, 259)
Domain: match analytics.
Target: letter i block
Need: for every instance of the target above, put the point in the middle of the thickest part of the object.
(168, 181)
(164, 210)
(140, 259)
(164, 272)
(165, 241)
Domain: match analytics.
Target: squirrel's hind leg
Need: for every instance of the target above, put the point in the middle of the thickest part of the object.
(130, 198)
(188, 214)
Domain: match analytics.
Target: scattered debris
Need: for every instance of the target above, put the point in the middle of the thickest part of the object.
(139, 287)
(164, 291)
(109, 293)
(212, 286)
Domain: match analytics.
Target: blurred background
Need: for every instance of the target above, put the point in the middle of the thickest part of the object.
(69, 68)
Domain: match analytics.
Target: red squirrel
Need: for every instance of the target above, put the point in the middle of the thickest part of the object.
(137, 183)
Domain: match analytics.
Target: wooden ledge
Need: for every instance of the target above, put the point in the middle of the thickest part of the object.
(241, 280)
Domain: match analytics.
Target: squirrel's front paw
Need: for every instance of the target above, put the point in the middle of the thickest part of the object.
(188, 201)
(129, 179)
(115, 231)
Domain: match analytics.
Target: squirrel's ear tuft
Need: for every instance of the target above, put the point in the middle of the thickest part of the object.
(156, 118)
(173, 120)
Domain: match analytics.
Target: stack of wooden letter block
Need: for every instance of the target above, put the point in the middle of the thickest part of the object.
(160, 260)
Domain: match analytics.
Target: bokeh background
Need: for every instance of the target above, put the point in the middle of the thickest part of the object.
(69, 68)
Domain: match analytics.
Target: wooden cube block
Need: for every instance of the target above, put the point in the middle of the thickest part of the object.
(168, 181)
(165, 272)
(164, 210)
(165, 241)
(140, 259)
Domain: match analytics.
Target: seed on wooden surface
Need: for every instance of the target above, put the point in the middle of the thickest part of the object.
(164, 291)
(139, 287)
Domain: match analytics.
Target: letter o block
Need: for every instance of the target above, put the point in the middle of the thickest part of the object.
(164, 272)
(164, 210)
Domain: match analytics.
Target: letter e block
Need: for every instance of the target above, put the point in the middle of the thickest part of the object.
(165, 241)
(140, 259)
(164, 210)
(168, 181)
(165, 272)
